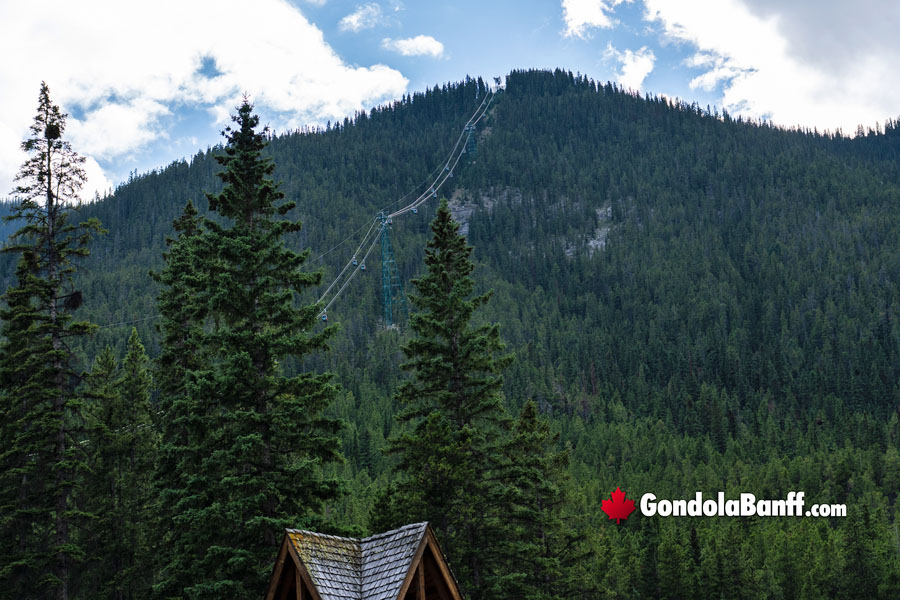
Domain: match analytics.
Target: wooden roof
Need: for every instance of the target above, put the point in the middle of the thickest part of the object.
(395, 565)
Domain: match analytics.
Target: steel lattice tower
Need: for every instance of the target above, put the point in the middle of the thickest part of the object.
(471, 147)
(392, 295)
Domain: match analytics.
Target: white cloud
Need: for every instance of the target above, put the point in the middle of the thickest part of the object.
(124, 68)
(421, 45)
(98, 184)
(580, 15)
(766, 73)
(635, 66)
(838, 34)
(719, 70)
(365, 16)
(115, 129)
(10, 156)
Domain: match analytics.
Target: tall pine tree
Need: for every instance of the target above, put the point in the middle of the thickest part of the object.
(258, 437)
(180, 487)
(26, 422)
(41, 463)
(121, 451)
(450, 454)
(545, 549)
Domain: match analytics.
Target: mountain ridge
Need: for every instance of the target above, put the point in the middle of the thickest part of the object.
(738, 330)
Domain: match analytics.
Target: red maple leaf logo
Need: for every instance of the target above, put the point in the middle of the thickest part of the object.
(618, 508)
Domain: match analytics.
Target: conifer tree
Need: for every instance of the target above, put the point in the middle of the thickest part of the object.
(139, 442)
(450, 455)
(121, 450)
(102, 402)
(545, 548)
(25, 400)
(41, 463)
(179, 487)
(258, 436)
(180, 328)
(861, 577)
(672, 562)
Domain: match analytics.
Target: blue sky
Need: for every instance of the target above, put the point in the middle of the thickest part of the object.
(148, 83)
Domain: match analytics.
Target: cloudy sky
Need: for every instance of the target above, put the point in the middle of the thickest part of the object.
(146, 83)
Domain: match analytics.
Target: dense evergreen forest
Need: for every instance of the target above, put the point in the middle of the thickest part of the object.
(689, 301)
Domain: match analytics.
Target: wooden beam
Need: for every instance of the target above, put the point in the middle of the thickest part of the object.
(304, 576)
(420, 592)
(276, 572)
(438, 554)
(434, 577)
(417, 558)
(299, 583)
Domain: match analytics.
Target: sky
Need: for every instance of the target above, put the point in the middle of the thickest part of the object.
(148, 83)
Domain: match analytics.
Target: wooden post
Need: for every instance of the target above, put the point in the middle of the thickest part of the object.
(300, 594)
(420, 591)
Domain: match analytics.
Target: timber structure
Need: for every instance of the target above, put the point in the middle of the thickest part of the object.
(402, 564)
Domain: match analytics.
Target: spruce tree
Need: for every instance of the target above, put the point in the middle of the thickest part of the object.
(102, 402)
(672, 565)
(121, 450)
(27, 426)
(138, 440)
(861, 548)
(450, 453)
(41, 463)
(545, 550)
(179, 487)
(180, 329)
(257, 439)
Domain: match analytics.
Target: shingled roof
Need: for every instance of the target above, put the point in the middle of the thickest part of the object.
(380, 567)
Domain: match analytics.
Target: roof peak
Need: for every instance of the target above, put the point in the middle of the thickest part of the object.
(345, 568)
(412, 526)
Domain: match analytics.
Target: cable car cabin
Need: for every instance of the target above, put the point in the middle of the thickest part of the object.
(324, 317)
(355, 262)
(415, 210)
(403, 564)
(362, 267)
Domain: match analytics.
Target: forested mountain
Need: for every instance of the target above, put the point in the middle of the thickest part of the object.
(695, 302)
